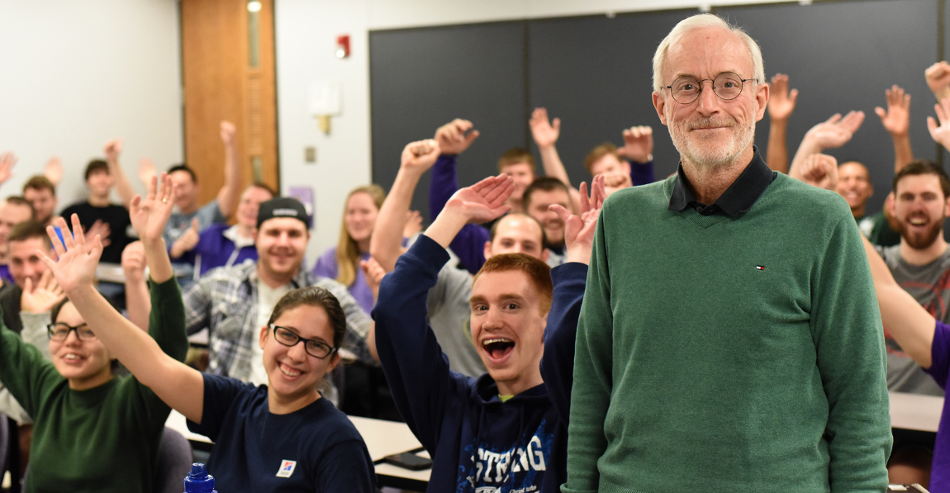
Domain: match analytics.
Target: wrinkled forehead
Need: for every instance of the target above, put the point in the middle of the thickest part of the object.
(706, 52)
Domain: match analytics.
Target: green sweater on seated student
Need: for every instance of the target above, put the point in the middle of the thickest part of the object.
(723, 353)
(103, 439)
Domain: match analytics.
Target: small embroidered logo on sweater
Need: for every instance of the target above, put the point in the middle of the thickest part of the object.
(759, 267)
(286, 468)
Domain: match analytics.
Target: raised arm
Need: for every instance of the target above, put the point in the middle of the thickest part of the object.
(231, 191)
(903, 317)
(829, 134)
(781, 106)
(545, 133)
(938, 79)
(123, 187)
(180, 386)
(557, 365)
(453, 139)
(820, 170)
(137, 302)
(896, 120)
(7, 160)
(638, 151)
(386, 243)
(941, 134)
(53, 170)
(479, 203)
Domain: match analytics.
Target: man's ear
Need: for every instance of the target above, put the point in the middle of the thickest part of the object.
(545, 253)
(487, 249)
(659, 103)
(762, 92)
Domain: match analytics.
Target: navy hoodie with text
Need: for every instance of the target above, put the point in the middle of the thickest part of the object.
(477, 442)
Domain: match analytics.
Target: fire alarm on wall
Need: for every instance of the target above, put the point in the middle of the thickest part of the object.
(343, 46)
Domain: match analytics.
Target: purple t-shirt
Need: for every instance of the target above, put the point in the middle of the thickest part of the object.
(5, 273)
(939, 369)
(327, 267)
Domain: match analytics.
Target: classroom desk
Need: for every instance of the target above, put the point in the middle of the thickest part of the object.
(382, 438)
(915, 412)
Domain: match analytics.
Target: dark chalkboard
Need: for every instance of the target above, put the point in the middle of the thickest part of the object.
(423, 78)
(595, 74)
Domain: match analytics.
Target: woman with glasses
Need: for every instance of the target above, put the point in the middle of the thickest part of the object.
(279, 437)
(93, 430)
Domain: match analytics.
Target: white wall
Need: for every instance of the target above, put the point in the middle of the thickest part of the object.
(306, 32)
(76, 74)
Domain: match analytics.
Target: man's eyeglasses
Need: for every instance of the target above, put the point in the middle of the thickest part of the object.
(727, 86)
(60, 331)
(314, 348)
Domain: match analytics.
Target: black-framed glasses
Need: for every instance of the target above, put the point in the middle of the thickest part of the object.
(314, 348)
(60, 331)
(727, 85)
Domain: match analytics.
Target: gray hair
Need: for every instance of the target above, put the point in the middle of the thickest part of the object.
(700, 21)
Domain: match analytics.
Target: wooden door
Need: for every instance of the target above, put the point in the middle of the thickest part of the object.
(228, 74)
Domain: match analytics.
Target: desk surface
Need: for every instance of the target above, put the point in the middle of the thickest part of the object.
(382, 438)
(915, 412)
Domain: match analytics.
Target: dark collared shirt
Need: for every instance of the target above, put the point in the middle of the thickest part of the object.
(738, 198)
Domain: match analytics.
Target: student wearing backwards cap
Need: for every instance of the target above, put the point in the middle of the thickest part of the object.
(233, 303)
(279, 437)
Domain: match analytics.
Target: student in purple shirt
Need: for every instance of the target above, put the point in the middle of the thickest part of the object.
(221, 245)
(342, 262)
(924, 339)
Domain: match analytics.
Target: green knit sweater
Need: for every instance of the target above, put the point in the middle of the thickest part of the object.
(103, 439)
(729, 354)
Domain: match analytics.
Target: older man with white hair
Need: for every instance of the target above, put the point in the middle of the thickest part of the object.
(729, 339)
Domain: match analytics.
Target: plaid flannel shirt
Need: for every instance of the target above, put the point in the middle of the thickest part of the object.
(225, 301)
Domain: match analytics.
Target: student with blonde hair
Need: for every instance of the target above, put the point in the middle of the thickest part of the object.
(342, 262)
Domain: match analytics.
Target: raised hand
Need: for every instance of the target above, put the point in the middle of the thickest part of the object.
(133, 262)
(483, 201)
(637, 144)
(421, 155)
(941, 134)
(102, 230)
(579, 229)
(781, 100)
(836, 131)
(53, 171)
(78, 258)
(7, 160)
(149, 215)
(146, 170)
(938, 79)
(187, 241)
(544, 131)
(896, 119)
(227, 132)
(112, 150)
(413, 224)
(454, 137)
(616, 181)
(374, 274)
(42, 297)
(820, 170)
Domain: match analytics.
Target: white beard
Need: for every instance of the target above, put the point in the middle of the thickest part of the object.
(714, 153)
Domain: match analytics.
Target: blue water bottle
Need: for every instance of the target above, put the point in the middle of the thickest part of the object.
(198, 480)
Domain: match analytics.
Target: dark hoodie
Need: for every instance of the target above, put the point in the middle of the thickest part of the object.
(477, 443)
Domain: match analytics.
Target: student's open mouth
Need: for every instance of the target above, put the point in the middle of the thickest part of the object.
(498, 348)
